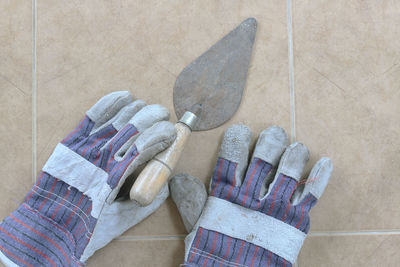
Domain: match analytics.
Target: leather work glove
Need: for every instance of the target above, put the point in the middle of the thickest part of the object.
(72, 209)
(255, 215)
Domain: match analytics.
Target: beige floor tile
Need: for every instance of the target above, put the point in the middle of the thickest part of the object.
(16, 43)
(15, 103)
(347, 106)
(155, 253)
(87, 49)
(350, 251)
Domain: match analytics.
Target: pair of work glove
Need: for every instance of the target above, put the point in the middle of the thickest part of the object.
(77, 205)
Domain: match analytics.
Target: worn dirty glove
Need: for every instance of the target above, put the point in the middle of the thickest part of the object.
(72, 210)
(255, 215)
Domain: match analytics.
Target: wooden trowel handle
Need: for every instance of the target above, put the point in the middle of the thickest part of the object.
(156, 173)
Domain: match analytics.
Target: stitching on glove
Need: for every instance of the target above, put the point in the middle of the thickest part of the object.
(77, 207)
(214, 257)
(86, 226)
(57, 196)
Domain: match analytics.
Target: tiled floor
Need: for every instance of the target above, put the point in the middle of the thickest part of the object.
(326, 71)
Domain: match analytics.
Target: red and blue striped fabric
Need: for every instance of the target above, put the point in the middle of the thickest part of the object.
(51, 228)
(54, 224)
(211, 248)
(89, 147)
(218, 250)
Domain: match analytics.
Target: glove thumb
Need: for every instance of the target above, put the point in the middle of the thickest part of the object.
(189, 195)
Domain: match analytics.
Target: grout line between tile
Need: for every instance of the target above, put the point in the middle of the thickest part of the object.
(291, 72)
(150, 238)
(34, 84)
(356, 233)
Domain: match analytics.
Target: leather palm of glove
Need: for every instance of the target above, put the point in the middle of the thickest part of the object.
(72, 209)
(255, 215)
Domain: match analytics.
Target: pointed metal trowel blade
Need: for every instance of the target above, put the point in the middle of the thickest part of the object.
(214, 82)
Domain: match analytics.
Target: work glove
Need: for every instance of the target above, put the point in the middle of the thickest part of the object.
(72, 209)
(256, 215)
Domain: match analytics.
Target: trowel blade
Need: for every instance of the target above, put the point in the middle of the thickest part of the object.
(215, 80)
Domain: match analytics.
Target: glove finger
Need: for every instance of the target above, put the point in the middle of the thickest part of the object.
(309, 191)
(126, 113)
(148, 116)
(143, 119)
(107, 107)
(315, 184)
(95, 118)
(132, 154)
(271, 143)
(232, 160)
(117, 136)
(189, 195)
(289, 172)
(105, 135)
(154, 140)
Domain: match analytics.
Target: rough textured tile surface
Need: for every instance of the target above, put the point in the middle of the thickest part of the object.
(153, 253)
(15, 103)
(87, 49)
(350, 251)
(347, 106)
